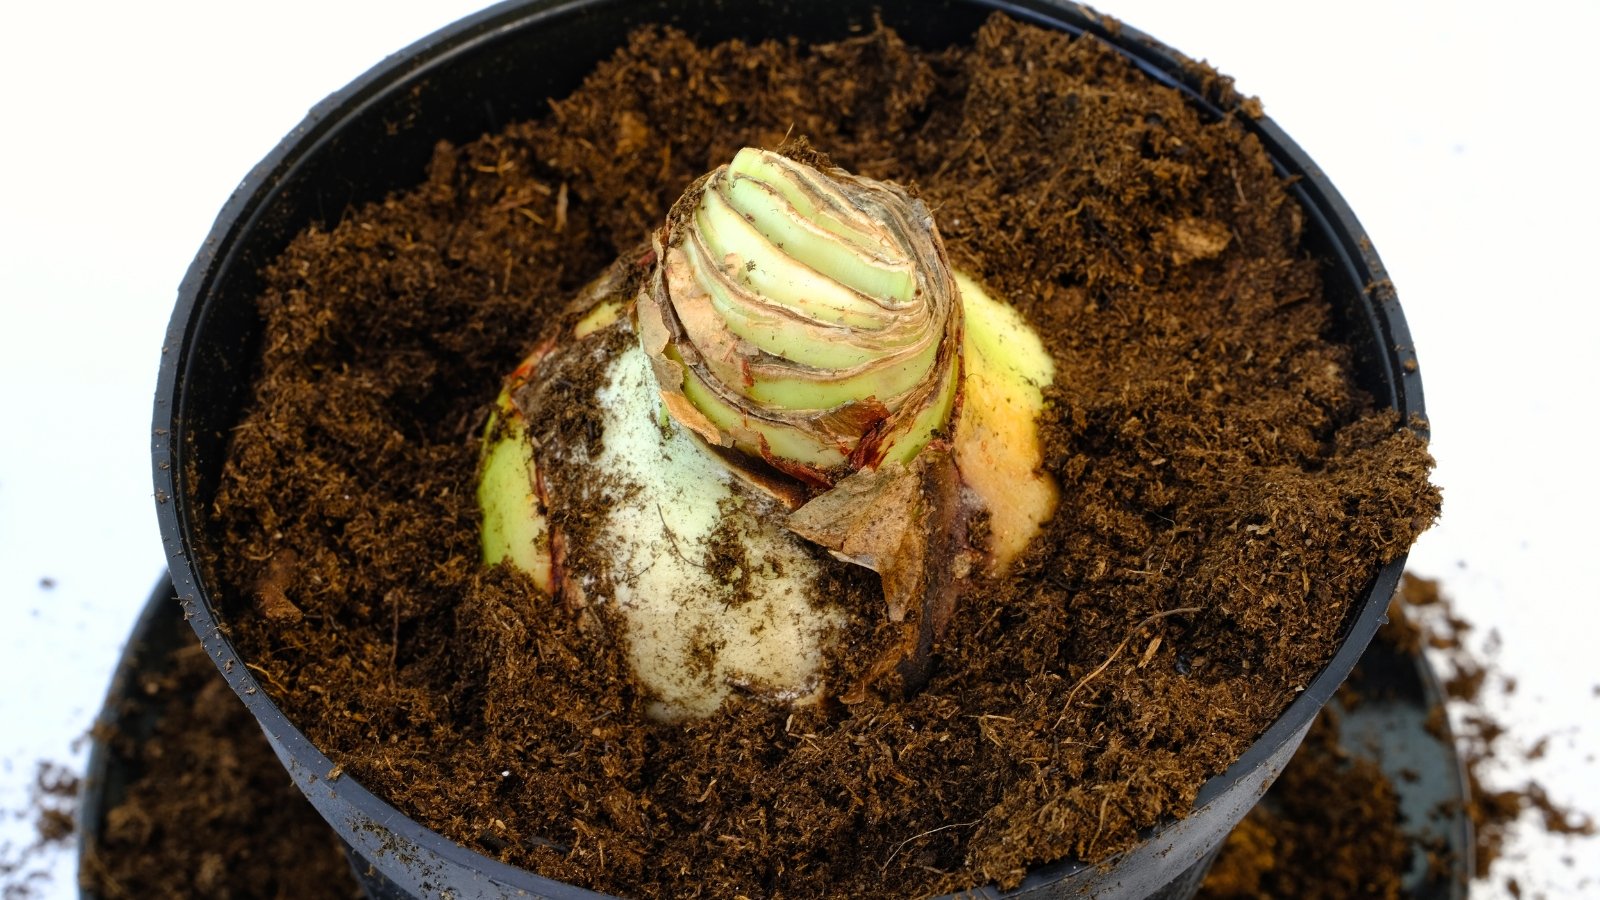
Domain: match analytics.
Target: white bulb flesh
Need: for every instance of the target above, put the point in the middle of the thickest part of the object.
(693, 638)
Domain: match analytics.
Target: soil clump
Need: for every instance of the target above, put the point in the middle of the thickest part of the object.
(1331, 826)
(1213, 450)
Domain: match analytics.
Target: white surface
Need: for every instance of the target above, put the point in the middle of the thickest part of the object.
(1462, 134)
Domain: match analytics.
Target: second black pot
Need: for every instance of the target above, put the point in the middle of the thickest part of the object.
(499, 66)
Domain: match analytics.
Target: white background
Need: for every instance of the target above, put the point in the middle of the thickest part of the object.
(1463, 135)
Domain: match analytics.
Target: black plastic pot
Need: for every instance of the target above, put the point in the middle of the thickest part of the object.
(498, 66)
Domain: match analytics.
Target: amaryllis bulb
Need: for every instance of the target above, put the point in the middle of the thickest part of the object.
(798, 370)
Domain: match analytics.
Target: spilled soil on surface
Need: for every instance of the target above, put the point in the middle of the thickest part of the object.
(1228, 488)
(1502, 804)
(25, 869)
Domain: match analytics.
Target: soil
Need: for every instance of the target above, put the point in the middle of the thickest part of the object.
(1339, 842)
(1213, 448)
(209, 811)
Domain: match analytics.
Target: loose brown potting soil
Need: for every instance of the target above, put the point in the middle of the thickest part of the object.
(1212, 450)
(1331, 827)
(209, 811)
